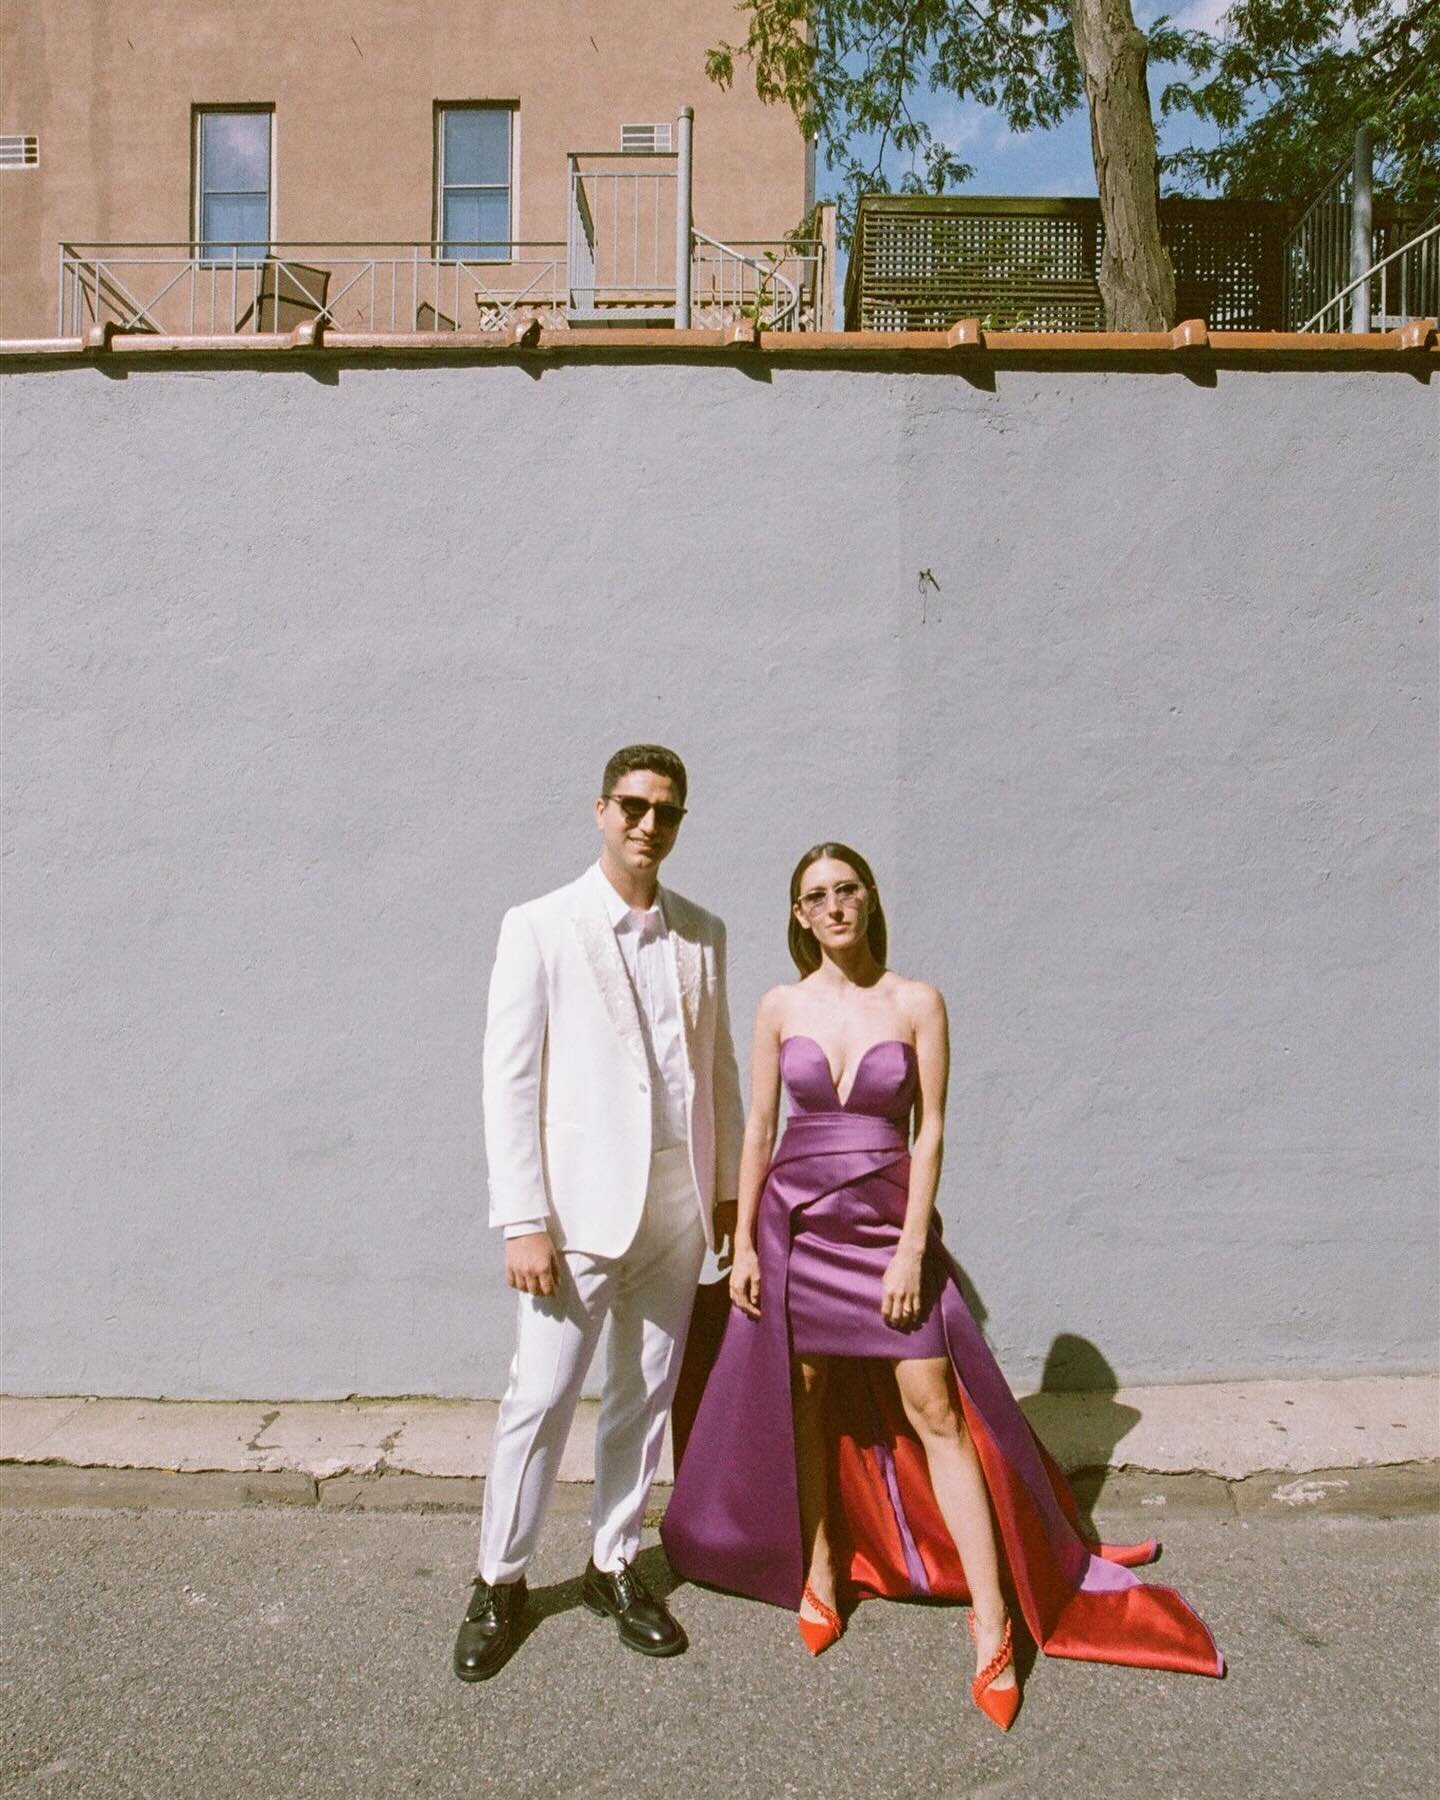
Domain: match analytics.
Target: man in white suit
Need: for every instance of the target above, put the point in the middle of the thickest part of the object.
(612, 1129)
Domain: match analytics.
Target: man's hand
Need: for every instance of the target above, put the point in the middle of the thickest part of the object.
(725, 1232)
(531, 1265)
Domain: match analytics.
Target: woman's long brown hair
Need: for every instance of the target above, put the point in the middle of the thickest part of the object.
(804, 951)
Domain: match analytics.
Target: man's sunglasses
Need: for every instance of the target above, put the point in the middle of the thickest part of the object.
(667, 816)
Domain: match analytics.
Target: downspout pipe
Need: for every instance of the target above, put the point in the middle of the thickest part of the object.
(1362, 226)
(683, 217)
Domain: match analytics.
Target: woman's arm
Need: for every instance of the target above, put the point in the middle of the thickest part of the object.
(900, 1297)
(756, 1150)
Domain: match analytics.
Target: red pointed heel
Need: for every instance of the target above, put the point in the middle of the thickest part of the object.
(819, 1634)
(999, 1705)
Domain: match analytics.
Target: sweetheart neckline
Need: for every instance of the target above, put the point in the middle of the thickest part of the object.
(879, 1044)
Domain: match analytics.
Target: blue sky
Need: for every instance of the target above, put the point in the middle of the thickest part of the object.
(1048, 162)
(1039, 162)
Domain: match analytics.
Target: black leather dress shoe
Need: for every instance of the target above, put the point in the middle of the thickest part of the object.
(644, 1623)
(489, 1630)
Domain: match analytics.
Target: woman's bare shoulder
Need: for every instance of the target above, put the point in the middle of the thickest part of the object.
(775, 1003)
(919, 1001)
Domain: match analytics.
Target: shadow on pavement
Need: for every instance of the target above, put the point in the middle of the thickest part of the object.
(564, 1596)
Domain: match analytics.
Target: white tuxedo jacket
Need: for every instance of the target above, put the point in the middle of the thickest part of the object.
(567, 1081)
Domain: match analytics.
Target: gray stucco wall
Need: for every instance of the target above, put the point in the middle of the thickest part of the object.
(310, 677)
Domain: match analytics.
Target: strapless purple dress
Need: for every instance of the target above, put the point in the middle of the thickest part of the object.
(828, 1223)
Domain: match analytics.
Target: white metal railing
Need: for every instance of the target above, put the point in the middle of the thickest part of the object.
(775, 284)
(1318, 249)
(631, 255)
(176, 290)
(188, 290)
(1347, 264)
(620, 241)
(1402, 286)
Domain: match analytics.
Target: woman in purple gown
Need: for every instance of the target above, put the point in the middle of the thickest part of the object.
(855, 1436)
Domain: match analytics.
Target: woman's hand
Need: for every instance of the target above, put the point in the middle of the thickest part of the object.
(745, 1280)
(900, 1290)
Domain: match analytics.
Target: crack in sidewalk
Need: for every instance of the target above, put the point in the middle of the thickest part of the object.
(387, 1444)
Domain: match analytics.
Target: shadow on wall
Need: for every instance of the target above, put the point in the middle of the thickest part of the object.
(1074, 1413)
(1078, 1419)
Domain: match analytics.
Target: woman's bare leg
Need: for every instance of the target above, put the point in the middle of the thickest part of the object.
(807, 1386)
(927, 1393)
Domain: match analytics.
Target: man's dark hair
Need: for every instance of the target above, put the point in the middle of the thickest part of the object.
(654, 757)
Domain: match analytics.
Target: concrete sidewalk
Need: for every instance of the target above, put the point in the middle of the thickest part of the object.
(1285, 1443)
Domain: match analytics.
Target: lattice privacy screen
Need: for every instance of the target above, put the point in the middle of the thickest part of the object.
(919, 264)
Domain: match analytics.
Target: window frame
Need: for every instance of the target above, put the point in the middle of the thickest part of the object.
(511, 185)
(199, 112)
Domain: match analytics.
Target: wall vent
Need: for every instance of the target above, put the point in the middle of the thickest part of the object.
(645, 138)
(19, 152)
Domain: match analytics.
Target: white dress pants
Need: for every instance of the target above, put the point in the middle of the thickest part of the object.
(647, 1293)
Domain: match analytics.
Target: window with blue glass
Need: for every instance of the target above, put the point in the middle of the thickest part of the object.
(475, 145)
(232, 185)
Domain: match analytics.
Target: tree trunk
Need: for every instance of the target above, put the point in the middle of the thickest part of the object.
(1137, 281)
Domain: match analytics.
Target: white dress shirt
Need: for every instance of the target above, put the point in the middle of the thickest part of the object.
(644, 941)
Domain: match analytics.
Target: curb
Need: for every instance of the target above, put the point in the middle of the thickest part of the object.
(1392, 1491)
(1226, 1430)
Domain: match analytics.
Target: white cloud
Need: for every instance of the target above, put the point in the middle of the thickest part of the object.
(966, 127)
(1190, 15)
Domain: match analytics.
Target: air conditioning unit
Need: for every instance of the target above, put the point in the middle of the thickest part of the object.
(644, 139)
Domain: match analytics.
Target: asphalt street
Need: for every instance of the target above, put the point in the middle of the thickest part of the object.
(284, 1652)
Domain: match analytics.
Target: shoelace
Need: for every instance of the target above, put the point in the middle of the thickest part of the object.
(628, 1587)
(485, 1598)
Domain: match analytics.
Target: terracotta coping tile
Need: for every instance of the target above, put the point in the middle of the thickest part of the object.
(963, 343)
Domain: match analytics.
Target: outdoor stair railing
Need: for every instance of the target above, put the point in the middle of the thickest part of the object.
(1402, 286)
(1355, 263)
(728, 283)
(1317, 255)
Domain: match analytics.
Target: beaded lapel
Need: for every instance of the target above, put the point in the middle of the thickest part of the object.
(607, 965)
(688, 966)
